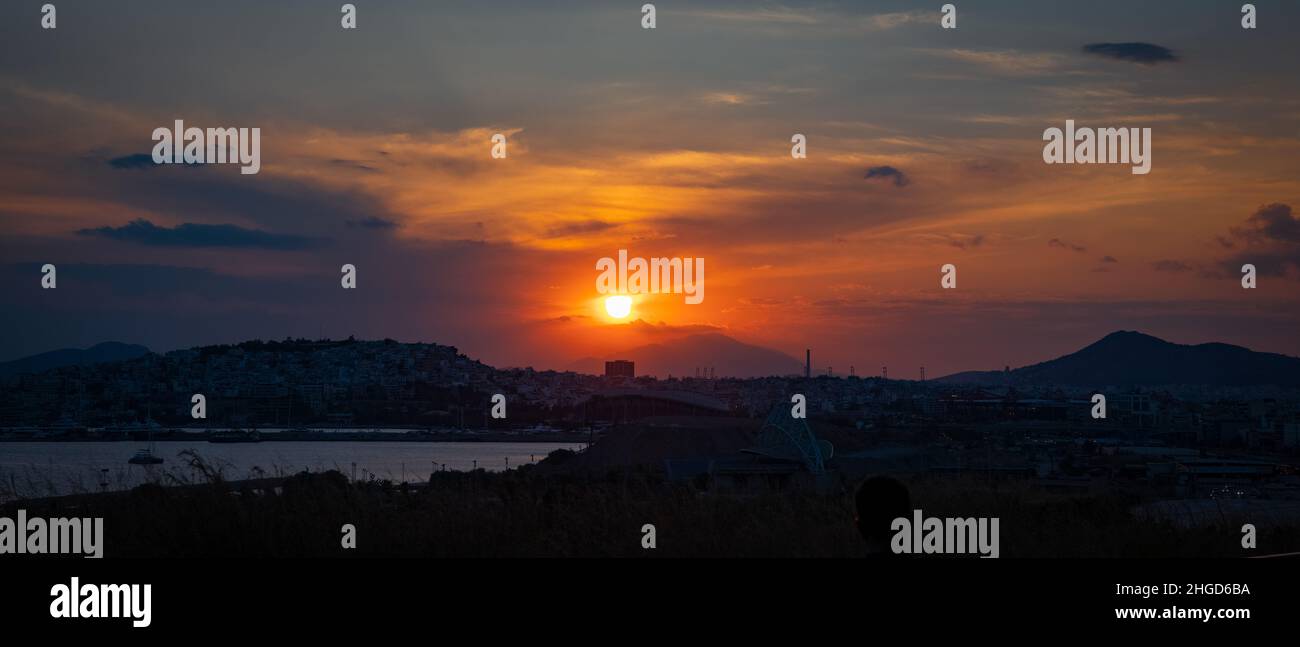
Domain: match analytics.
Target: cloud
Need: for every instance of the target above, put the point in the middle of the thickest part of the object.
(189, 234)
(353, 164)
(988, 166)
(1010, 62)
(662, 328)
(888, 172)
(1141, 53)
(1109, 259)
(1168, 265)
(372, 222)
(1057, 242)
(139, 160)
(728, 99)
(1270, 223)
(276, 203)
(886, 21)
(966, 242)
(778, 17)
(579, 228)
(1271, 242)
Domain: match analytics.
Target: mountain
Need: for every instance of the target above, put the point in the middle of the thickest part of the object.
(680, 357)
(1128, 358)
(109, 351)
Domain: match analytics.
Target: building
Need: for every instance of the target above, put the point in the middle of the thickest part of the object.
(620, 368)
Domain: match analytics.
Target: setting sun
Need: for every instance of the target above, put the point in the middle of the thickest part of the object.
(618, 306)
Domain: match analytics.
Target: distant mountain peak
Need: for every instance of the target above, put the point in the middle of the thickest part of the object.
(1132, 358)
(108, 351)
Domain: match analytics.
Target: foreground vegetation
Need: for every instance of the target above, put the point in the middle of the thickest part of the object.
(525, 513)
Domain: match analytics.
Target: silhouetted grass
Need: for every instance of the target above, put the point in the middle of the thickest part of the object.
(522, 513)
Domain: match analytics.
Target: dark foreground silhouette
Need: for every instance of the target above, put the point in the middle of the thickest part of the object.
(525, 513)
(880, 500)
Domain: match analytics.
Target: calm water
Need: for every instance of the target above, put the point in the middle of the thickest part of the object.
(45, 469)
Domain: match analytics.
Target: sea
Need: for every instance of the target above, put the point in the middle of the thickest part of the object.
(38, 469)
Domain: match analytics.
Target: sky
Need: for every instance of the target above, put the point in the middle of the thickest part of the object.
(924, 148)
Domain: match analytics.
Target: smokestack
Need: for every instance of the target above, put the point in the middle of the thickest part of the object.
(807, 363)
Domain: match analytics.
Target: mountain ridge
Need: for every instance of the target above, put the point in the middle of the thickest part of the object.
(1132, 358)
(107, 351)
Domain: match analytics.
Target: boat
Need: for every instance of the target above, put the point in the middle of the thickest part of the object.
(145, 457)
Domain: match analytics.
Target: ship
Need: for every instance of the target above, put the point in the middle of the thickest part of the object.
(145, 457)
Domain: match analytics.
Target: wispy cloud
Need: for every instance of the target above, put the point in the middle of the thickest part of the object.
(966, 242)
(776, 15)
(779, 16)
(729, 99)
(898, 19)
(1008, 61)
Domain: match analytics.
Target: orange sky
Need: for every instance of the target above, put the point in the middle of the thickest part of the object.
(681, 147)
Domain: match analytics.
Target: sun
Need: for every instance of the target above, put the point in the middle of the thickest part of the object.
(618, 306)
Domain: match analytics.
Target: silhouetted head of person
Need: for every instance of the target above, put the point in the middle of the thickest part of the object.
(880, 500)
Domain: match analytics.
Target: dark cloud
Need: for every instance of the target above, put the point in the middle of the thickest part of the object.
(372, 222)
(1169, 265)
(888, 172)
(1057, 242)
(1270, 240)
(1141, 53)
(139, 160)
(1109, 259)
(269, 203)
(1271, 223)
(1267, 263)
(199, 235)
